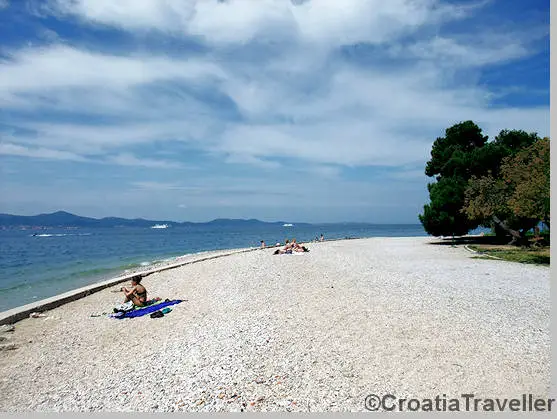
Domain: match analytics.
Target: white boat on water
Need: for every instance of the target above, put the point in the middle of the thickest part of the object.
(160, 226)
(287, 225)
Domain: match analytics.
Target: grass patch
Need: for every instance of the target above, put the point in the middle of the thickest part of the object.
(536, 256)
(482, 257)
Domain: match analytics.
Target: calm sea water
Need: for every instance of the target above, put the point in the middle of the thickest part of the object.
(59, 260)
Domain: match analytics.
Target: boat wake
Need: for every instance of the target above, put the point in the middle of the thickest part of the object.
(59, 235)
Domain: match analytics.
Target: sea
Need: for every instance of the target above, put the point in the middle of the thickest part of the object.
(37, 264)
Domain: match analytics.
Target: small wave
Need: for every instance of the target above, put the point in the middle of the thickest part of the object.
(144, 263)
(17, 286)
(59, 235)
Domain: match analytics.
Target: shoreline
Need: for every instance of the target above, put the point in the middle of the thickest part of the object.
(45, 268)
(21, 312)
(18, 313)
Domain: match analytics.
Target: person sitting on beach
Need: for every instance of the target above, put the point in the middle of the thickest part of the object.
(296, 247)
(137, 294)
(288, 246)
(289, 251)
(321, 238)
(291, 246)
(300, 248)
(262, 244)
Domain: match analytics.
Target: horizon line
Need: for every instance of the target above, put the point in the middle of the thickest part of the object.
(215, 219)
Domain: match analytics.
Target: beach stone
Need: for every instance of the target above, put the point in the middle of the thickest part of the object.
(401, 325)
(7, 328)
(8, 347)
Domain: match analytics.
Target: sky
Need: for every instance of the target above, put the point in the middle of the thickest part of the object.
(299, 110)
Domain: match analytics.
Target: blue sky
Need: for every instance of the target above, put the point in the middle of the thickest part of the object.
(316, 110)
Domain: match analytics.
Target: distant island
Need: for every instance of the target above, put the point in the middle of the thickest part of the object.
(63, 219)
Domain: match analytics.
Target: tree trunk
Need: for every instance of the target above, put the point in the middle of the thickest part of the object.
(517, 238)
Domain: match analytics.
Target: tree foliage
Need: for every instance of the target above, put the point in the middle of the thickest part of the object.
(528, 176)
(451, 163)
(450, 155)
(485, 197)
(503, 183)
(518, 199)
(442, 217)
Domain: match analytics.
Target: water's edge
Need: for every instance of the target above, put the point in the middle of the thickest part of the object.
(19, 313)
(33, 268)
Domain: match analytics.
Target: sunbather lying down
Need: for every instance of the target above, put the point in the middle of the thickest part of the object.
(137, 294)
(291, 247)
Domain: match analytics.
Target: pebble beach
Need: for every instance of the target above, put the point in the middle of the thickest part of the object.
(316, 331)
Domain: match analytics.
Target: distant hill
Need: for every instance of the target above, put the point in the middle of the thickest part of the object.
(65, 219)
(236, 221)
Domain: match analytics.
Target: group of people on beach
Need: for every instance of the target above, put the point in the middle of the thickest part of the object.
(293, 243)
(290, 247)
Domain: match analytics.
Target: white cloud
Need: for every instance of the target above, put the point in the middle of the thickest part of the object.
(98, 139)
(63, 67)
(49, 35)
(156, 186)
(268, 90)
(247, 158)
(8, 149)
(4, 4)
(447, 51)
(129, 14)
(323, 22)
(343, 142)
(355, 117)
(126, 159)
(387, 100)
(323, 171)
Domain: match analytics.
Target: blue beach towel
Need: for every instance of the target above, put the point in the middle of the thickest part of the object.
(146, 310)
